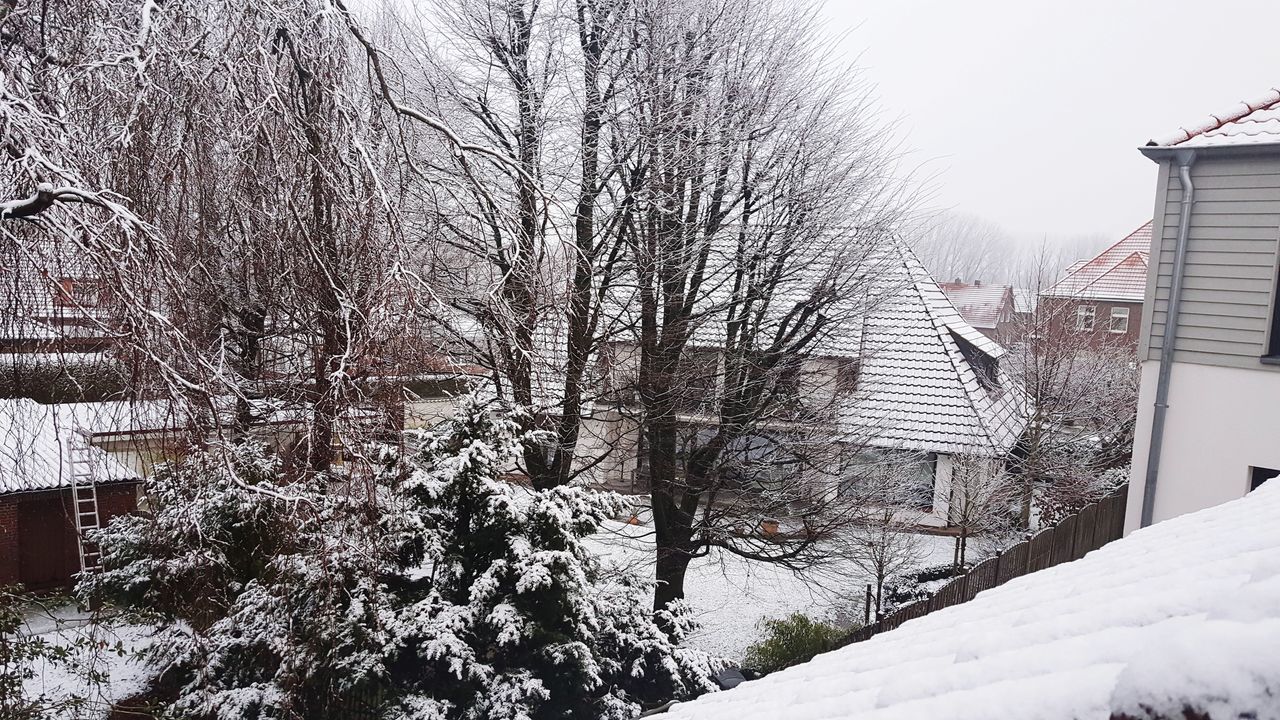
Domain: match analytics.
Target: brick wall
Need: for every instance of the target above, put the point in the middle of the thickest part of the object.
(8, 540)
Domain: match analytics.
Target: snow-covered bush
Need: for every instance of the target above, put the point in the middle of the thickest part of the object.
(456, 594)
(272, 590)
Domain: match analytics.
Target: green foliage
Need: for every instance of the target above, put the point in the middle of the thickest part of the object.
(22, 652)
(791, 641)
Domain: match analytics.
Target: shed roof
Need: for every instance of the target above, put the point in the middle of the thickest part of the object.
(1182, 614)
(1117, 273)
(35, 441)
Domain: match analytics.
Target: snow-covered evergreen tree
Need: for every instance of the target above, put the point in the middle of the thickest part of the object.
(272, 590)
(458, 594)
(515, 619)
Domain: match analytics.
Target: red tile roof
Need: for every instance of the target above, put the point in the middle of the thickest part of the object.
(1248, 122)
(1117, 273)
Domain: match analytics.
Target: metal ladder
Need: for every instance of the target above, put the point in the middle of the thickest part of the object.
(84, 496)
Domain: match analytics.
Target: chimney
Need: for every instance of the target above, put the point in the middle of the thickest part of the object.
(959, 281)
(977, 283)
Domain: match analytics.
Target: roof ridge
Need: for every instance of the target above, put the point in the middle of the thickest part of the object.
(1236, 112)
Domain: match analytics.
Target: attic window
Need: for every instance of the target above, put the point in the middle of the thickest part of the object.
(984, 366)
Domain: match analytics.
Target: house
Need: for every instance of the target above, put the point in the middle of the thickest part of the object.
(1100, 299)
(907, 382)
(1178, 620)
(54, 485)
(54, 304)
(990, 309)
(1210, 350)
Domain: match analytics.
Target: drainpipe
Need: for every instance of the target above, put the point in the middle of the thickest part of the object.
(1185, 160)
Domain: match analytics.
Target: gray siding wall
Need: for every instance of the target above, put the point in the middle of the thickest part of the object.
(1227, 293)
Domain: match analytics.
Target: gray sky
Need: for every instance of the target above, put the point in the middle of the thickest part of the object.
(1029, 113)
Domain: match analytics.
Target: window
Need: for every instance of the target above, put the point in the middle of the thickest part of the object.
(1273, 337)
(1259, 475)
(1119, 320)
(1084, 318)
(847, 372)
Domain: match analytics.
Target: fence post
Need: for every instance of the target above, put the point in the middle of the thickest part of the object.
(866, 608)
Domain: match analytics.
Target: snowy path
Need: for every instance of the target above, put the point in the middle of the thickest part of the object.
(731, 596)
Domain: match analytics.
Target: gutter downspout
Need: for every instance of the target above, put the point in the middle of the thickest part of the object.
(1185, 160)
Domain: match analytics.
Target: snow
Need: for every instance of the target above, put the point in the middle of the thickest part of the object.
(113, 652)
(1185, 613)
(731, 597)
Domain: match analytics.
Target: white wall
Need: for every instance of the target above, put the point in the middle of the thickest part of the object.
(1220, 422)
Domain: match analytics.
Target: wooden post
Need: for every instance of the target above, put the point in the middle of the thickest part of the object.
(867, 607)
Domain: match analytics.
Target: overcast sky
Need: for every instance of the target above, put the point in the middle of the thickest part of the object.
(1029, 112)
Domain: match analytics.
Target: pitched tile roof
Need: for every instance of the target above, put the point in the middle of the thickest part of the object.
(1117, 273)
(982, 306)
(1250, 122)
(922, 385)
(1183, 613)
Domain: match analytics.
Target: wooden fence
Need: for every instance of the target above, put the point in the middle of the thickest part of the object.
(1094, 526)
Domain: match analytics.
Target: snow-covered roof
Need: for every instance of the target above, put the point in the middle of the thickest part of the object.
(1024, 300)
(35, 441)
(922, 384)
(1249, 122)
(1182, 615)
(982, 306)
(1117, 273)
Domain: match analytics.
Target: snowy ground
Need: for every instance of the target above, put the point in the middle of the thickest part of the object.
(110, 652)
(731, 596)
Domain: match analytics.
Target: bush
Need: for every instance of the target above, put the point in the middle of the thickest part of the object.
(791, 641)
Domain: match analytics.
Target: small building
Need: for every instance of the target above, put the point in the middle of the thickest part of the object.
(1100, 299)
(1209, 404)
(990, 309)
(1177, 621)
(55, 485)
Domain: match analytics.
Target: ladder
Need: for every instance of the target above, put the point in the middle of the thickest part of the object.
(84, 498)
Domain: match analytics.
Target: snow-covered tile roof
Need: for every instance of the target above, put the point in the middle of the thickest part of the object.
(922, 386)
(35, 443)
(982, 306)
(1185, 613)
(1117, 273)
(1249, 122)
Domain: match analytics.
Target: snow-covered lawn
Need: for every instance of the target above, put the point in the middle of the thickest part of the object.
(731, 596)
(107, 649)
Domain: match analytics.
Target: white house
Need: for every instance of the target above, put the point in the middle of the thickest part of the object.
(1208, 424)
(914, 385)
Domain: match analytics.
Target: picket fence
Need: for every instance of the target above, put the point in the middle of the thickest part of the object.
(1094, 526)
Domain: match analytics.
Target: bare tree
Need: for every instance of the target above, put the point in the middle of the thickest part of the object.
(984, 497)
(762, 188)
(1081, 392)
(965, 247)
(884, 542)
